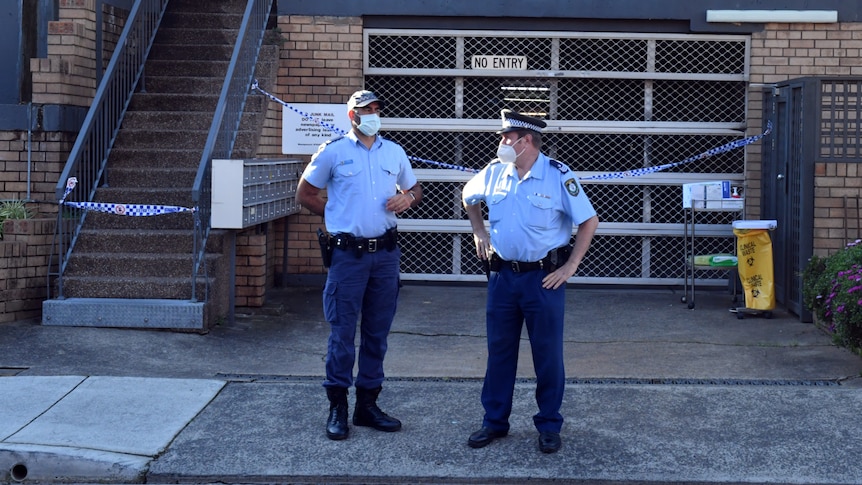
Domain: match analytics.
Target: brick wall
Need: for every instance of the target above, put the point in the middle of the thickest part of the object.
(24, 254)
(67, 76)
(36, 158)
(837, 193)
(788, 51)
(321, 62)
(251, 269)
(113, 22)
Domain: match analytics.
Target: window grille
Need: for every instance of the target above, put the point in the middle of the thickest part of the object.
(613, 102)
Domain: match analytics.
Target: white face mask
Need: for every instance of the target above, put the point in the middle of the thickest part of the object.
(369, 124)
(507, 154)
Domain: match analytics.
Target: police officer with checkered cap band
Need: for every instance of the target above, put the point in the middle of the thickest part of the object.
(368, 180)
(514, 121)
(533, 202)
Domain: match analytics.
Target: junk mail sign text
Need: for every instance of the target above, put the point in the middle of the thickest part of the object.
(303, 133)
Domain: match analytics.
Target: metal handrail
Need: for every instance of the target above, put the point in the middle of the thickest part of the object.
(225, 124)
(89, 155)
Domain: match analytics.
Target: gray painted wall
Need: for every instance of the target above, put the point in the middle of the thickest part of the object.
(691, 13)
(11, 13)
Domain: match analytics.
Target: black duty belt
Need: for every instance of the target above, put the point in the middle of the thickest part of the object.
(361, 245)
(553, 260)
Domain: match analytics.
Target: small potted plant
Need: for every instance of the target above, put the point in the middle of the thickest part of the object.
(832, 290)
(13, 209)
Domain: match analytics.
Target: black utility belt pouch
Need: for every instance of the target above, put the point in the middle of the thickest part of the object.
(325, 247)
(362, 245)
(553, 260)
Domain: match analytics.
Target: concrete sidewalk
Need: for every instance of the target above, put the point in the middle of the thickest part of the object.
(657, 393)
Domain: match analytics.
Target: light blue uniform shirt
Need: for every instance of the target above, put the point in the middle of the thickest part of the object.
(532, 216)
(358, 182)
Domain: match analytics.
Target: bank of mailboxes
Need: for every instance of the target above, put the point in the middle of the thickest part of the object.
(253, 191)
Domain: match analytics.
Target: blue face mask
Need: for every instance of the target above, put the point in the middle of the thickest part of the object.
(369, 124)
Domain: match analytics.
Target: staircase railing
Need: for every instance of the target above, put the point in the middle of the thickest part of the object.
(225, 125)
(89, 155)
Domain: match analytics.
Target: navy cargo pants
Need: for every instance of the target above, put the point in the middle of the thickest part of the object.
(367, 285)
(515, 298)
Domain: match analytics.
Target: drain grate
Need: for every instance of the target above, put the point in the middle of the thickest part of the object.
(588, 380)
(707, 382)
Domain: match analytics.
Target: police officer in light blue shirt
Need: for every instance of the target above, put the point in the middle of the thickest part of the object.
(368, 181)
(533, 204)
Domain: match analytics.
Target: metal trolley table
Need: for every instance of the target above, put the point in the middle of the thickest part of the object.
(697, 211)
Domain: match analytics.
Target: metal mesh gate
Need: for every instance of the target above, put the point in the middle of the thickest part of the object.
(613, 102)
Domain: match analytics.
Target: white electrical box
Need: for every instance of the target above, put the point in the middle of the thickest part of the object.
(253, 191)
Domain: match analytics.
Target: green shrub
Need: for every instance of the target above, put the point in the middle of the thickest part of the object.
(832, 290)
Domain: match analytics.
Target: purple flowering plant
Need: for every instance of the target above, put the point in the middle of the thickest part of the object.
(832, 290)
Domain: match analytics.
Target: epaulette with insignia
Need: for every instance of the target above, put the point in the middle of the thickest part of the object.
(559, 165)
(326, 143)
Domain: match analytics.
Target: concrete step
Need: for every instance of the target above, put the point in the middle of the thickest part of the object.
(165, 157)
(162, 137)
(95, 240)
(153, 196)
(187, 68)
(170, 139)
(183, 221)
(167, 120)
(141, 177)
(202, 20)
(146, 287)
(154, 157)
(199, 7)
(168, 36)
(145, 262)
(125, 313)
(174, 102)
(182, 84)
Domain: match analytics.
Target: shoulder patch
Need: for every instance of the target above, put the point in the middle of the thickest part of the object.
(573, 187)
(559, 166)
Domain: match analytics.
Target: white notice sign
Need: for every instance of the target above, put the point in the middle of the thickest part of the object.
(302, 135)
(517, 63)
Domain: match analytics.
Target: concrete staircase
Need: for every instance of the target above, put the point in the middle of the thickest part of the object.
(137, 271)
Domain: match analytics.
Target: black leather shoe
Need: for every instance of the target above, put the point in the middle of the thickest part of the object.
(549, 441)
(484, 437)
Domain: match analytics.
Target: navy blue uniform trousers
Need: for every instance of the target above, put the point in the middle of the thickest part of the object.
(513, 299)
(366, 286)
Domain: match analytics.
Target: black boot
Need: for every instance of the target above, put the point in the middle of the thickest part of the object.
(367, 413)
(336, 425)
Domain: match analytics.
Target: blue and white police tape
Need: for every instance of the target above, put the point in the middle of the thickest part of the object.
(607, 176)
(138, 210)
(338, 131)
(711, 152)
